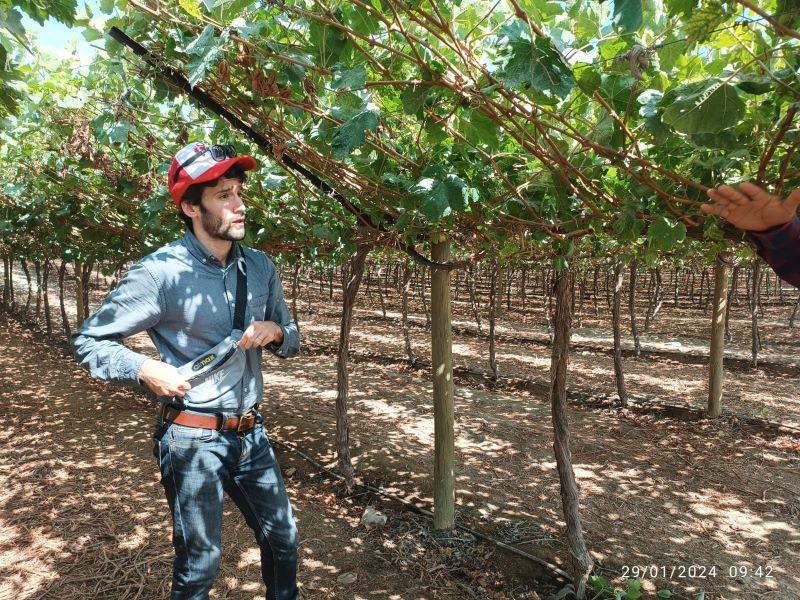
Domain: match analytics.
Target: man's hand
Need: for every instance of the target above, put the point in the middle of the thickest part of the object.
(750, 207)
(163, 379)
(261, 333)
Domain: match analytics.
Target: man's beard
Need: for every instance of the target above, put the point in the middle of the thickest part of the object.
(216, 227)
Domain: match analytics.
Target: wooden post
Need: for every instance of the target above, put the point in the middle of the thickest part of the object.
(442, 372)
(546, 303)
(380, 292)
(716, 353)
(579, 559)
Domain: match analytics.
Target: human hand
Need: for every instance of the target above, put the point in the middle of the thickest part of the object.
(751, 208)
(163, 379)
(261, 333)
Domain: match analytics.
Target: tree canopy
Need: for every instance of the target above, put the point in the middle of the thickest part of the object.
(521, 127)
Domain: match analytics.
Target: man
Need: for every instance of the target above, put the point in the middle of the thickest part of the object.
(210, 304)
(771, 222)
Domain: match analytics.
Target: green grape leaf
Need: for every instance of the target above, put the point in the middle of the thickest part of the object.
(479, 129)
(649, 99)
(329, 42)
(628, 15)
(107, 129)
(192, 7)
(618, 90)
(755, 86)
(324, 232)
(247, 30)
(704, 107)
(536, 64)
(12, 22)
(204, 52)
(704, 21)
(665, 233)
(587, 78)
(349, 79)
(361, 20)
(441, 195)
(413, 98)
(60, 10)
(350, 134)
(680, 7)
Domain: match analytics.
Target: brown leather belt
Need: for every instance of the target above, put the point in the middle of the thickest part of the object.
(240, 424)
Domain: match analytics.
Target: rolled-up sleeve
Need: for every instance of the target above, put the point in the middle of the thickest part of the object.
(780, 247)
(134, 306)
(279, 313)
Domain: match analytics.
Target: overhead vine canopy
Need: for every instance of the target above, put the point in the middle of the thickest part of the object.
(508, 123)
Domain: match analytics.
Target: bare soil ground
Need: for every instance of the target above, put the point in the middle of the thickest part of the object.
(83, 515)
(672, 368)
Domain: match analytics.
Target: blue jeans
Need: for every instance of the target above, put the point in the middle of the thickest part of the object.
(197, 466)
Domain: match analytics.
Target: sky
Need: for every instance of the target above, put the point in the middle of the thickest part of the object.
(61, 40)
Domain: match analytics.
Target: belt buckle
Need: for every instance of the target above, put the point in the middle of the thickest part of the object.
(250, 418)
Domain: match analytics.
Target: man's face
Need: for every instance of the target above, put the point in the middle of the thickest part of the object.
(222, 210)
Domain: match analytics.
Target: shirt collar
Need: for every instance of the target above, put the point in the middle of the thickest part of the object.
(201, 253)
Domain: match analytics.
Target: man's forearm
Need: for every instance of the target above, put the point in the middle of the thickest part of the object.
(133, 307)
(108, 360)
(780, 247)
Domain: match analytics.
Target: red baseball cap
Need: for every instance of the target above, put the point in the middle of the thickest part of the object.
(196, 163)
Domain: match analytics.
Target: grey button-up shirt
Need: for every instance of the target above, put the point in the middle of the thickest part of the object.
(184, 297)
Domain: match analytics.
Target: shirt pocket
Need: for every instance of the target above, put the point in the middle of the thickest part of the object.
(258, 306)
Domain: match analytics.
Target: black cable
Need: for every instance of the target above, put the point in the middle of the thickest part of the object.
(179, 80)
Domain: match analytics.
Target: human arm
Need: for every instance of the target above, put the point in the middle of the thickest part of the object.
(770, 222)
(278, 332)
(134, 306)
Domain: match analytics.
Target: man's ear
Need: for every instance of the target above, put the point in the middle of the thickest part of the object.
(190, 210)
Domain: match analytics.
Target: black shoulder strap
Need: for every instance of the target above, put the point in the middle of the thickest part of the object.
(241, 292)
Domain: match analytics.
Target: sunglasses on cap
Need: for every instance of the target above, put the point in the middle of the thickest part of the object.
(219, 152)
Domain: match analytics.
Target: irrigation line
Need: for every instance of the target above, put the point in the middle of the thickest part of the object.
(378, 490)
(177, 79)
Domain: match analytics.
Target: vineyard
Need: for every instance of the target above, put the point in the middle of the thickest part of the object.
(524, 345)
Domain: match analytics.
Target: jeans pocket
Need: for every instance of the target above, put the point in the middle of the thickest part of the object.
(184, 435)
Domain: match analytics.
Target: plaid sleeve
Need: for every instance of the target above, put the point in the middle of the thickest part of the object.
(780, 247)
